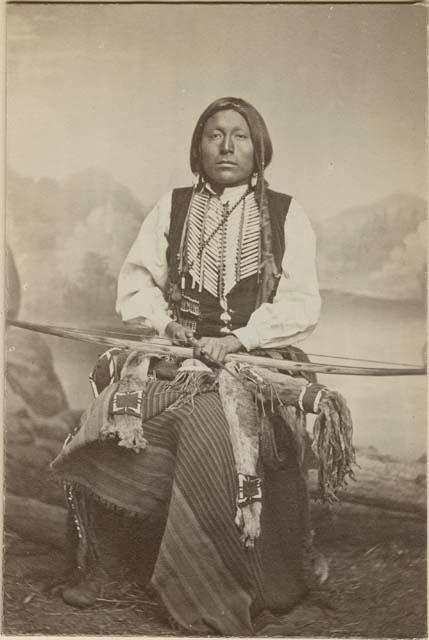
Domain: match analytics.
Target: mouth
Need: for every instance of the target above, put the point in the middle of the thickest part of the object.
(226, 163)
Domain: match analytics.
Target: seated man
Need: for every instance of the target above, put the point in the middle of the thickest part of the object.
(225, 266)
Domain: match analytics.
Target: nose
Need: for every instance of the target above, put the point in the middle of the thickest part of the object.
(227, 144)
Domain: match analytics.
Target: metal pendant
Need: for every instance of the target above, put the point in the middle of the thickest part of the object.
(225, 317)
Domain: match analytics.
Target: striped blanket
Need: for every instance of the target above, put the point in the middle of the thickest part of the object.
(185, 479)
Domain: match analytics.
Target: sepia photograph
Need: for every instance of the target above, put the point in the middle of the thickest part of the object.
(215, 324)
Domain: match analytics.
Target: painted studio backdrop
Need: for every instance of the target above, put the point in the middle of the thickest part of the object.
(101, 104)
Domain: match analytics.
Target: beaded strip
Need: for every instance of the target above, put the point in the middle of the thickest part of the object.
(240, 244)
(82, 546)
(310, 396)
(221, 275)
(202, 250)
(249, 489)
(189, 324)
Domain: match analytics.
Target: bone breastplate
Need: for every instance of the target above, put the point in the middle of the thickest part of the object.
(214, 257)
(222, 248)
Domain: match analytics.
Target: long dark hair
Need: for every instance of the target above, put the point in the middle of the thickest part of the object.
(258, 130)
(269, 271)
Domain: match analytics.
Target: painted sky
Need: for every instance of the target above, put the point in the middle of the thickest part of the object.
(342, 88)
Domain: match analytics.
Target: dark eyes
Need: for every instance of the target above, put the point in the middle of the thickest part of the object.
(216, 136)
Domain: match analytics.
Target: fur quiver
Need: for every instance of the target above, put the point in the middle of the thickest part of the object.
(332, 433)
(333, 427)
(242, 417)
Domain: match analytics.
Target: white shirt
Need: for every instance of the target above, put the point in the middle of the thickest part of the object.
(290, 318)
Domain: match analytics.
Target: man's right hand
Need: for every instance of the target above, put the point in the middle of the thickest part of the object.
(178, 334)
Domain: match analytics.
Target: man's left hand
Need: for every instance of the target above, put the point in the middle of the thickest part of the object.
(217, 348)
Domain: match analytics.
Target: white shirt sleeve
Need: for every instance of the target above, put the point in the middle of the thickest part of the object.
(144, 274)
(296, 307)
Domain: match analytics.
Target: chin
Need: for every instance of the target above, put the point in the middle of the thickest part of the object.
(228, 181)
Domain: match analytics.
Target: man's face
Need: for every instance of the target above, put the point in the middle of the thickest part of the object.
(227, 153)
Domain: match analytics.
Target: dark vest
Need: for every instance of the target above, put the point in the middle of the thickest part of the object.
(242, 298)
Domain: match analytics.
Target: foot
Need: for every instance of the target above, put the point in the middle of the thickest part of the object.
(84, 593)
(269, 625)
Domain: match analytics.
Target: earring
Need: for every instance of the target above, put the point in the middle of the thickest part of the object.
(254, 179)
(198, 180)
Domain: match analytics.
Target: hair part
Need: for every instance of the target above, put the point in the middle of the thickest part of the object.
(261, 140)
